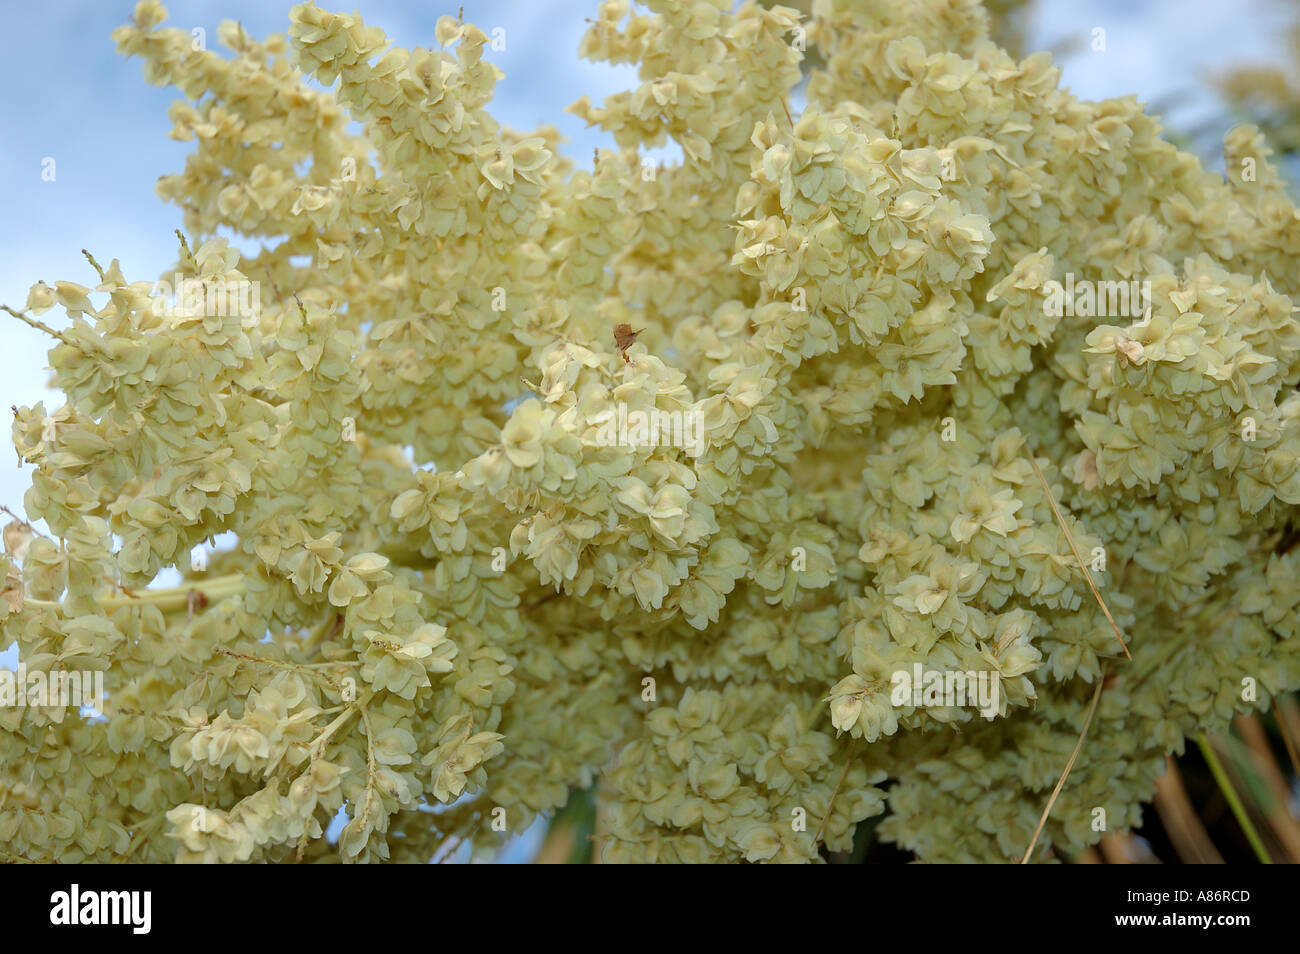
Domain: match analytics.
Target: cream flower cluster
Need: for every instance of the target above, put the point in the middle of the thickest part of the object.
(449, 589)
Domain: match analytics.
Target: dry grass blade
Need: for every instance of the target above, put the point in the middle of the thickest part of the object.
(1060, 783)
(1234, 800)
(1074, 548)
(1189, 837)
(1285, 712)
(1261, 755)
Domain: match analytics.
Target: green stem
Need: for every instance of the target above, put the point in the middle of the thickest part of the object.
(1234, 802)
(169, 598)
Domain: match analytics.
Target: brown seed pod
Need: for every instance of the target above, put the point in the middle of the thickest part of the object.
(625, 337)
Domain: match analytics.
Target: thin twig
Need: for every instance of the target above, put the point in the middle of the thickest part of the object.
(1074, 547)
(94, 264)
(831, 803)
(1060, 783)
(4, 509)
(38, 325)
(185, 246)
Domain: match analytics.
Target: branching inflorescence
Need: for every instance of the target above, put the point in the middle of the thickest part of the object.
(490, 549)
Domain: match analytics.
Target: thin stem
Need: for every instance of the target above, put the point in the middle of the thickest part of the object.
(1234, 801)
(166, 598)
(1074, 548)
(94, 264)
(4, 509)
(831, 802)
(1060, 783)
(372, 765)
(186, 247)
(318, 747)
(279, 664)
(38, 325)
